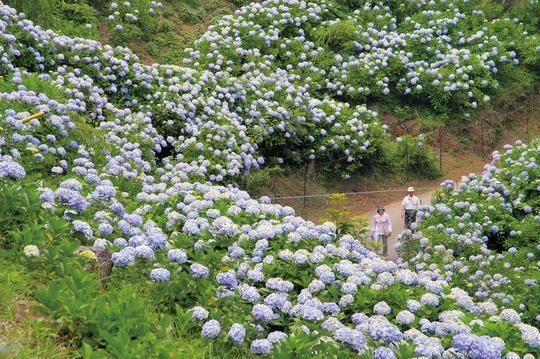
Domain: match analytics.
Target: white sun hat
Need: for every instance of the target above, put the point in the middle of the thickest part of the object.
(410, 189)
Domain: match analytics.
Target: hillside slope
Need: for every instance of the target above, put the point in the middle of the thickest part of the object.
(118, 212)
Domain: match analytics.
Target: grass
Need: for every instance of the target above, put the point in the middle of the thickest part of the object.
(181, 23)
(161, 38)
(34, 83)
(23, 332)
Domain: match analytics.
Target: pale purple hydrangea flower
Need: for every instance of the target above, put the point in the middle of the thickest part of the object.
(10, 168)
(261, 346)
(199, 313)
(211, 329)
(263, 313)
(383, 353)
(177, 255)
(160, 275)
(474, 346)
(352, 337)
(199, 271)
(382, 308)
(237, 333)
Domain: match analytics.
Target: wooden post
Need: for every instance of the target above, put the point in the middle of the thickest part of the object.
(482, 134)
(305, 188)
(528, 139)
(440, 149)
(406, 158)
(311, 167)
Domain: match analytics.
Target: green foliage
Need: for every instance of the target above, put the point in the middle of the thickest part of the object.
(302, 345)
(16, 208)
(67, 17)
(340, 215)
(338, 36)
(414, 156)
(254, 182)
(24, 334)
(516, 87)
(408, 157)
(159, 36)
(68, 291)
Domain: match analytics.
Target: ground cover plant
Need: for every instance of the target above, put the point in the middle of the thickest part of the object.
(138, 162)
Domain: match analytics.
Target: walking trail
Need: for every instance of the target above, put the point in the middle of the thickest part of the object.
(394, 211)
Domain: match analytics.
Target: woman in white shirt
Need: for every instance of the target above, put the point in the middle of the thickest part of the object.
(409, 207)
(381, 228)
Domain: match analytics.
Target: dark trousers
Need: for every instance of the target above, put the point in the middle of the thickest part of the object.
(410, 217)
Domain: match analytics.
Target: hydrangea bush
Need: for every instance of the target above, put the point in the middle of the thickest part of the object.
(484, 233)
(136, 159)
(446, 53)
(132, 20)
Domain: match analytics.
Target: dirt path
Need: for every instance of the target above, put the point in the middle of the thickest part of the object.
(394, 211)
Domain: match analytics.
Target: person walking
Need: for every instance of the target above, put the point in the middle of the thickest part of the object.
(381, 228)
(409, 207)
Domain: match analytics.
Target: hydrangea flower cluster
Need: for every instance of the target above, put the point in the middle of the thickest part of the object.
(132, 16)
(427, 49)
(255, 274)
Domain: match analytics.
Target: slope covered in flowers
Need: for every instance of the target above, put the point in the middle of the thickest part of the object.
(195, 257)
(444, 53)
(484, 233)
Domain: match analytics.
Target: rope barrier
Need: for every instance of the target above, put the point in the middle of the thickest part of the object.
(350, 193)
(33, 117)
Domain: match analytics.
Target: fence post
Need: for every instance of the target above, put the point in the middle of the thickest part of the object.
(440, 149)
(482, 134)
(406, 158)
(305, 188)
(528, 139)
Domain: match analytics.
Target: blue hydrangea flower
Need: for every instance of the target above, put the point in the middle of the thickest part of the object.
(276, 337)
(474, 346)
(84, 228)
(263, 312)
(160, 274)
(249, 293)
(382, 308)
(352, 337)
(227, 279)
(383, 353)
(10, 168)
(261, 346)
(177, 255)
(123, 258)
(145, 252)
(237, 333)
(211, 329)
(120, 242)
(199, 271)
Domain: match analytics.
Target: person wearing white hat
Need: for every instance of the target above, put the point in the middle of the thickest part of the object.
(409, 207)
(381, 228)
